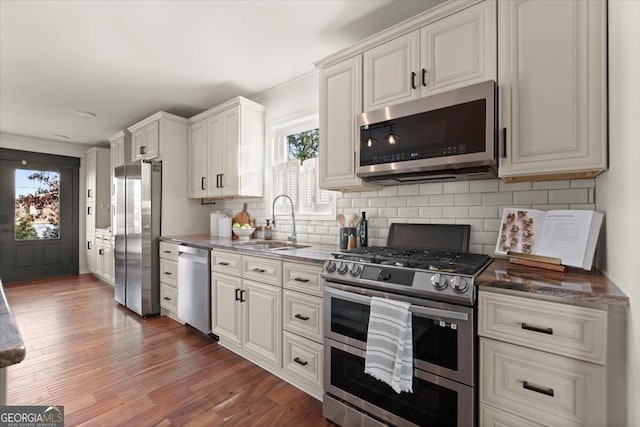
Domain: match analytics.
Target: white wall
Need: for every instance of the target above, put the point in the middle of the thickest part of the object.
(62, 149)
(618, 193)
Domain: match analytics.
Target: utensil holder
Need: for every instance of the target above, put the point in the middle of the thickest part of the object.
(345, 233)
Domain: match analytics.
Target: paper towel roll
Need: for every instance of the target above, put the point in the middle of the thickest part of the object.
(213, 223)
(224, 227)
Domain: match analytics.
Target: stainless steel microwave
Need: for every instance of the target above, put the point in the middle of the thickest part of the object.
(446, 136)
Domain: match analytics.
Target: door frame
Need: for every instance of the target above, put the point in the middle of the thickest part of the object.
(67, 161)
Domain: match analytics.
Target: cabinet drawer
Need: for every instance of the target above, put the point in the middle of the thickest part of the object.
(226, 262)
(303, 358)
(169, 272)
(303, 315)
(572, 331)
(169, 298)
(169, 251)
(492, 417)
(262, 269)
(542, 387)
(302, 277)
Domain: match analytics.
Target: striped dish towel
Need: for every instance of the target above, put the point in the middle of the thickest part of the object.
(389, 352)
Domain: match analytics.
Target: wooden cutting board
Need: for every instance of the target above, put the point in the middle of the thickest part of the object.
(241, 217)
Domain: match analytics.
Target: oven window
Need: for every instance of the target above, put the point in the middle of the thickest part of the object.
(432, 343)
(429, 405)
(350, 319)
(435, 344)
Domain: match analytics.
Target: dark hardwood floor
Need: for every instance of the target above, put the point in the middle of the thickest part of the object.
(108, 366)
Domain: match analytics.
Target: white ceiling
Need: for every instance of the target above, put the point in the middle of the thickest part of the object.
(125, 60)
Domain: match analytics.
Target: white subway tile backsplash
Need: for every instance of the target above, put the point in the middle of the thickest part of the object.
(497, 198)
(478, 203)
(409, 190)
(455, 187)
(455, 211)
(441, 200)
(431, 212)
(431, 188)
(483, 212)
(530, 197)
(577, 195)
(484, 185)
(468, 199)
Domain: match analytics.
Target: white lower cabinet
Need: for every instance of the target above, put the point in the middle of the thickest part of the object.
(169, 279)
(542, 363)
(102, 264)
(246, 312)
(277, 329)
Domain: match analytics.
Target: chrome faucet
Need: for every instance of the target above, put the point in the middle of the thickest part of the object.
(294, 237)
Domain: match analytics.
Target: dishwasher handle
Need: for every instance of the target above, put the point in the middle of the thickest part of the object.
(198, 252)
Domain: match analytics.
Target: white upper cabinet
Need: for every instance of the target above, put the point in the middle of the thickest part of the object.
(197, 163)
(146, 143)
(340, 103)
(120, 153)
(553, 91)
(226, 151)
(454, 51)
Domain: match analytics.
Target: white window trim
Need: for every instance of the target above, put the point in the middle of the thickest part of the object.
(278, 129)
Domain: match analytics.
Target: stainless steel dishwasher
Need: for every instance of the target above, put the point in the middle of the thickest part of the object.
(194, 289)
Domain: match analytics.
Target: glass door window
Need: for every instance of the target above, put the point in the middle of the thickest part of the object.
(37, 204)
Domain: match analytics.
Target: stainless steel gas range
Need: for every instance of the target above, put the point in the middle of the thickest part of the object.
(428, 266)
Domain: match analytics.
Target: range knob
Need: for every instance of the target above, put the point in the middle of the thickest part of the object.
(459, 284)
(343, 267)
(330, 266)
(438, 281)
(355, 270)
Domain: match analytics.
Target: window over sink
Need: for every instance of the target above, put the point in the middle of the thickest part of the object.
(296, 169)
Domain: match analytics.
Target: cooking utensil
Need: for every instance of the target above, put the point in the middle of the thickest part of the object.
(352, 219)
(341, 219)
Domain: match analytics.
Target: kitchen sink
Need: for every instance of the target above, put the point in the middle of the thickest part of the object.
(269, 245)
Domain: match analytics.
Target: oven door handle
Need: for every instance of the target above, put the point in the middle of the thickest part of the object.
(425, 311)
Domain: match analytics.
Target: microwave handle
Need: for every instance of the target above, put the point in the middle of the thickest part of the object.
(425, 311)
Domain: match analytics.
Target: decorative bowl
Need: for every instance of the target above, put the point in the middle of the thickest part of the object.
(243, 233)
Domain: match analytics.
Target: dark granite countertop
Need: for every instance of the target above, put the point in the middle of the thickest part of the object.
(11, 345)
(574, 284)
(314, 253)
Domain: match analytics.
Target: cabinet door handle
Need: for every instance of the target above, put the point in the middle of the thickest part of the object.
(100, 251)
(504, 142)
(202, 183)
(167, 252)
(259, 270)
(548, 331)
(424, 77)
(143, 149)
(89, 210)
(89, 245)
(168, 273)
(167, 299)
(223, 263)
(301, 317)
(413, 80)
(301, 279)
(242, 296)
(221, 182)
(89, 193)
(217, 180)
(237, 294)
(301, 362)
(542, 390)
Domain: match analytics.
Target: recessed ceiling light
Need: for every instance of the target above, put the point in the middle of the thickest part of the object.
(61, 136)
(87, 114)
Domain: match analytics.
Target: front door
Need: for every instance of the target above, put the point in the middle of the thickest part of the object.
(38, 215)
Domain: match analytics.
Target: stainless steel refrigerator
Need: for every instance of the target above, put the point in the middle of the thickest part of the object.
(137, 229)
